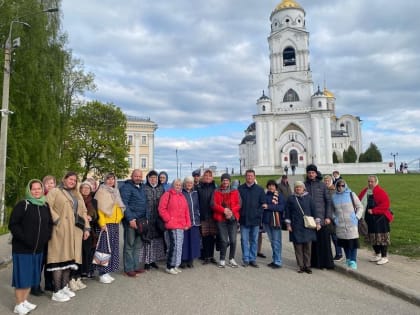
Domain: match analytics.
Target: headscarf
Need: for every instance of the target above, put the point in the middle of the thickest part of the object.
(35, 201)
(369, 192)
(107, 198)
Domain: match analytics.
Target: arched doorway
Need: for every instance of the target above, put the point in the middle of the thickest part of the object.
(293, 157)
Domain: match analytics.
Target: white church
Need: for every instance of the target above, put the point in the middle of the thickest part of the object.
(295, 124)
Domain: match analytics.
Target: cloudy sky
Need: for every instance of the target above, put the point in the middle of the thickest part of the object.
(196, 68)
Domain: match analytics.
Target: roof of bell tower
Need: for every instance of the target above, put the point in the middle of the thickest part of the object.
(287, 4)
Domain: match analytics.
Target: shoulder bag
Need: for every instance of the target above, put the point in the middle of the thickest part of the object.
(101, 258)
(361, 225)
(308, 221)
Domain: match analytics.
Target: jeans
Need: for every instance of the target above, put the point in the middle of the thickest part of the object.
(351, 253)
(249, 240)
(275, 239)
(227, 234)
(131, 251)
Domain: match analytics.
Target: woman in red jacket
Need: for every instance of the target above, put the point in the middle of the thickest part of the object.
(226, 205)
(377, 216)
(174, 211)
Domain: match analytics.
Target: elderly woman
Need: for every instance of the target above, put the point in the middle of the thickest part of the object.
(65, 247)
(30, 224)
(377, 216)
(298, 204)
(173, 209)
(272, 217)
(347, 211)
(110, 213)
(191, 244)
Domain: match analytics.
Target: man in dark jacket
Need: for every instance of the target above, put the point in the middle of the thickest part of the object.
(134, 198)
(321, 256)
(253, 203)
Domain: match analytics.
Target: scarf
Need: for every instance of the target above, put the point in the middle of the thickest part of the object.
(28, 196)
(108, 197)
(89, 206)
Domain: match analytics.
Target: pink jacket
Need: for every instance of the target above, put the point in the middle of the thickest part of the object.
(174, 211)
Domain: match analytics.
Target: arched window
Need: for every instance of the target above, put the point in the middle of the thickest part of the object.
(289, 56)
(263, 108)
(291, 96)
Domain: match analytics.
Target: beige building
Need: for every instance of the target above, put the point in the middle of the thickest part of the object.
(141, 140)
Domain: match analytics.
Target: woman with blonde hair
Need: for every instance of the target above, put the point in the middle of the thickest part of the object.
(65, 247)
(110, 213)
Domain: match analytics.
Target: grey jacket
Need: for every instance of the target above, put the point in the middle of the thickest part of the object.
(321, 197)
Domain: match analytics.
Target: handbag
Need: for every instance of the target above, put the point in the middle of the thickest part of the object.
(308, 221)
(143, 229)
(361, 224)
(275, 220)
(79, 221)
(101, 258)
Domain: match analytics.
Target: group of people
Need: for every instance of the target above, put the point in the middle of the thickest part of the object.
(59, 229)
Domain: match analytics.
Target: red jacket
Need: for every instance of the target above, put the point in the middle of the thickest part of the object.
(381, 201)
(225, 199)
(174, 211)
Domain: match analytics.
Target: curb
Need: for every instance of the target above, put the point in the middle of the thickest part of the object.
(410, 297)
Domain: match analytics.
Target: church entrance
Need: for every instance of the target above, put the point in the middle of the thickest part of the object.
(293, 157)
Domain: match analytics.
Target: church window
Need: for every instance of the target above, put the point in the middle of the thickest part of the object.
(287, 20)
(291, 105)
(319, 104)
(289, 56)
(291, 96)
(263, 108)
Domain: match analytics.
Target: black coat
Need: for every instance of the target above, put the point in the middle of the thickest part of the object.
(321, 197)
(294, 216)
(253, 197)
(205, 193)
(31, 227)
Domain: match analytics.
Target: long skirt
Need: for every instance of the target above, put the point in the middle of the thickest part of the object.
(26, 270)
(191, 245)
(152, 252)
(321, 255)
(114, 241)
(378, 229)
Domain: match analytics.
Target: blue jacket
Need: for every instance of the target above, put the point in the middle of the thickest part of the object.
(193, 205)
(135, 201)
(253, 197)
(279, 207)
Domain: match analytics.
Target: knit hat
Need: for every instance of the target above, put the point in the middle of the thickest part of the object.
(152, 173)
(299, 183)
(196, 172)
(86, 183)
(225, 176)
(311, 167)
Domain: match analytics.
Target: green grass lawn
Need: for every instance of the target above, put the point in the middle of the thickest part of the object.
(404, 192)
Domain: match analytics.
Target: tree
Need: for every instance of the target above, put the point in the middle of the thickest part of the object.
(349, 155)
(335, 158)
(372, 154)
(97, 141)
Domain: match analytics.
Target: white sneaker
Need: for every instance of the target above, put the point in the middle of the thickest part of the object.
(177, 270)
(233, 263)
(73, 285)
(30, 306)
(221, 264)
(109, 277)
(171, 271)
(375, 258)
(21, 309)
(382, 261)
(80, 284)
(105, 279)
(66, 290)
(60, 297)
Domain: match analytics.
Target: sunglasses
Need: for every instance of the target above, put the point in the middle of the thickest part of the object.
(341, 185)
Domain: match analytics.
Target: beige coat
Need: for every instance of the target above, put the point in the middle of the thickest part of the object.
(66, 239)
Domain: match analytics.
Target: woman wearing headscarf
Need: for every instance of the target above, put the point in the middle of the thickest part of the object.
(30, 224)
(110, 213)
(65, 246)
(347, 211)
(163, 180)
(154, 251)
(378, 217)
(298, 204)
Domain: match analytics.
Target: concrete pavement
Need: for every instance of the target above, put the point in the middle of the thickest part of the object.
(400, 277)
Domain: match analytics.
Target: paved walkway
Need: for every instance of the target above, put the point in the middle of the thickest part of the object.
(400, 277)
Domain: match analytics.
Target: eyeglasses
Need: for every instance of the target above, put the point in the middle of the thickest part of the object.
(341, 185)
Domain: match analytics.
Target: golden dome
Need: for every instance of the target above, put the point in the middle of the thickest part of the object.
(286, 4)
(328, 93)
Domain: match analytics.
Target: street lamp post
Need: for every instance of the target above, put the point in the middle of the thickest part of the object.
(8, 49)
(395, 165)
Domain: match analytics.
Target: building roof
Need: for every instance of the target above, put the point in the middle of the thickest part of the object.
(287, 4)
(249, 138)
(251, 127)
(135, 118)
